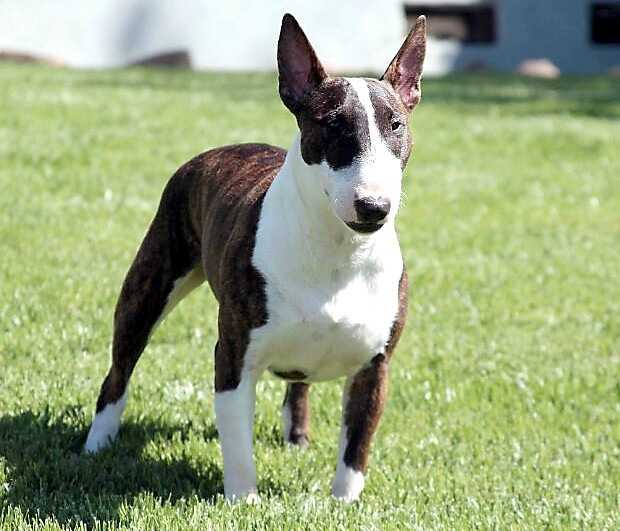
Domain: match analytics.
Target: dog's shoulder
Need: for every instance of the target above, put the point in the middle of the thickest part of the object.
(234, 169)
(216, 198)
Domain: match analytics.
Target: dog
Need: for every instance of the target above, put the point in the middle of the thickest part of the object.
(301, 252)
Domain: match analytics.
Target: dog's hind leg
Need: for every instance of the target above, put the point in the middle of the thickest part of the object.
(296, 415)
(161, 275)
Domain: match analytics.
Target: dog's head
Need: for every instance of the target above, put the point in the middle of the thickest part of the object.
(354, 131)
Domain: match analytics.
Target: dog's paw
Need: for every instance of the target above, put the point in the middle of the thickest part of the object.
(97, 441)
(347, 485)
(251, 498)
(301, 441)
(241, 490)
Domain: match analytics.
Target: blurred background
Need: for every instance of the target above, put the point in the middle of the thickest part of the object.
(505, 391)
(538, 37)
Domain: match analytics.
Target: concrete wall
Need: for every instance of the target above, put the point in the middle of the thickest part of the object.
(556, 29)
(355, 35)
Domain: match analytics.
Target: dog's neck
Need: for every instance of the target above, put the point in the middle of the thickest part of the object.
(302, 224)
(315, 215)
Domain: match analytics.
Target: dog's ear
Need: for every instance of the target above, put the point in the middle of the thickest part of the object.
(299, 69)
(405, 70)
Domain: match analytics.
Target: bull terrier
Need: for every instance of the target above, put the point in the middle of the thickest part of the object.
(301, 252)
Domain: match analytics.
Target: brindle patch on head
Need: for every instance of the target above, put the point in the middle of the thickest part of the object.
(333, 125)
(392, 119)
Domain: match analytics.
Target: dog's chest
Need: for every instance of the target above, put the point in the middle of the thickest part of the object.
(327, 322)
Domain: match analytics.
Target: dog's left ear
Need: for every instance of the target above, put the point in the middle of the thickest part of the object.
(299, 69)
(405, 70)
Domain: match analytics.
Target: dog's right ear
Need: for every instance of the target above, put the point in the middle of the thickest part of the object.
(299, 69)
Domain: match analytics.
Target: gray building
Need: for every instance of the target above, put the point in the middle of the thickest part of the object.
(579, 36)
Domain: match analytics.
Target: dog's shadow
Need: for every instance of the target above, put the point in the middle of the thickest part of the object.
(49, 476)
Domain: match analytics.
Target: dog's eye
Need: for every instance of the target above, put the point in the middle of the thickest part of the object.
(337, 128)
(334, 124)
(396, 125)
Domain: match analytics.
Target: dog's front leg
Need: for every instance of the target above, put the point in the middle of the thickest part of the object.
(234, 411)
(362, 405)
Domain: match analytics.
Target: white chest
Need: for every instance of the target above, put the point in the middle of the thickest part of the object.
(328, 313)
(325, 333)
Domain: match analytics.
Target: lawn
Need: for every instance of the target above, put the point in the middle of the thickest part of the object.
(504, 407)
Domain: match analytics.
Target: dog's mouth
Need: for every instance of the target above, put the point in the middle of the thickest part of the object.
(364, 228)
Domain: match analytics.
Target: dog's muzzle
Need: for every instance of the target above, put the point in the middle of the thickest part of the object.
(371, 213)
(364, 228)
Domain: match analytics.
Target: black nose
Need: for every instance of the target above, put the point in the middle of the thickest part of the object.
(370, 210)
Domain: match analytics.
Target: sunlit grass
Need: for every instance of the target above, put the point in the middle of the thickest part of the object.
(504, 406)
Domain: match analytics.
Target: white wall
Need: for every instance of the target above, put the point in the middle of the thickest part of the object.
(349, 35)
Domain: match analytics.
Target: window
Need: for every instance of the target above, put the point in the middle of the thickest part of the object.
(465, 23)
(605, 23)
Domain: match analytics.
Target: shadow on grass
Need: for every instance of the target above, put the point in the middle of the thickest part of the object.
(48, 476)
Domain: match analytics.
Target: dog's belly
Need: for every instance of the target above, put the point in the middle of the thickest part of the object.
(311, 337)
(315, 351)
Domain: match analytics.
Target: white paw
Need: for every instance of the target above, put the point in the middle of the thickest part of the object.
(105, 426)
(250, 497)
(96, 442)
(348, 484)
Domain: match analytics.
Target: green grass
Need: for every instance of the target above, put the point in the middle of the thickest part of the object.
(504, 407)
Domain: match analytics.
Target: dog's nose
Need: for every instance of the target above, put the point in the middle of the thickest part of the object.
(371, 210)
